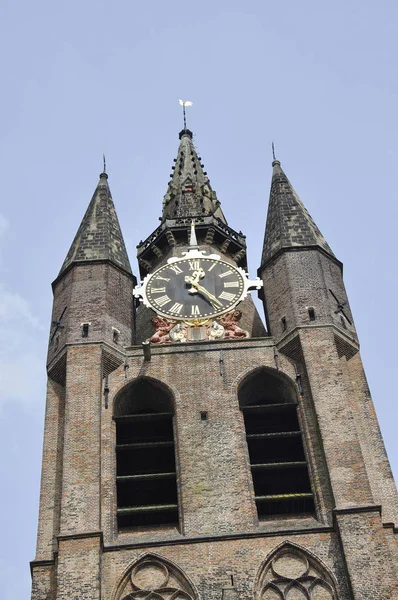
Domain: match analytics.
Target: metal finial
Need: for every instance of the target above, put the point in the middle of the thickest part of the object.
(184, 103)
(273, 151)
(103, 156)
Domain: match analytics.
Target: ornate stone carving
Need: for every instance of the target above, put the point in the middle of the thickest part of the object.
(230, 323)
(152, 578)
(162, 327)
(293, 574)
(224, 327)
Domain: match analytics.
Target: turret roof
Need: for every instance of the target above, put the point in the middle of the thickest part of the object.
(99, 236)
(289, 224)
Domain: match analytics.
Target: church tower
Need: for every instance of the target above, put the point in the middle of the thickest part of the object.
(190, 453)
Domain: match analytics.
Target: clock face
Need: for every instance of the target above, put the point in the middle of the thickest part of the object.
(197, 288)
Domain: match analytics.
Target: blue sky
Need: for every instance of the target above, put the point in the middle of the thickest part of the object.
(83, 78)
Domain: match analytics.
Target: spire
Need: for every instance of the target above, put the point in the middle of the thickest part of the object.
(289, 225)
(99, 236)
(189, 193)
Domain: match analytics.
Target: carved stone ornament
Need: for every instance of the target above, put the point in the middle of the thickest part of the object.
(230, 323)
(154, 579)
(292, 574)
(224, 327)
(162, 325)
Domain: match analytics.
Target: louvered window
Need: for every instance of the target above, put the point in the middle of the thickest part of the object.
(275, 444)
(146, 470)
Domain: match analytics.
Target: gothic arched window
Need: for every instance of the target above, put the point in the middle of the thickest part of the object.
(154, 578)
(277, 459)
(291, 573)
(145, 459)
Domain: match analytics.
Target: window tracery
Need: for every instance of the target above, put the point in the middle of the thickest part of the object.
(292, 574)
(154, 579)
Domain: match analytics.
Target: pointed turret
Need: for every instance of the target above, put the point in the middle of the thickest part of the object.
(99, 236)
(189, 192)
(302, 277)
(289, 225)
(190, 197)
(93, 291)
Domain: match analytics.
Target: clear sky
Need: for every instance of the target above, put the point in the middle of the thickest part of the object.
(80, 78)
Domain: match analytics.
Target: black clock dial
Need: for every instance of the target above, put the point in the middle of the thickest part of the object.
(195, 288)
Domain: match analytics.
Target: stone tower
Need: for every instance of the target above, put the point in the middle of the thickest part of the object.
(190, 454)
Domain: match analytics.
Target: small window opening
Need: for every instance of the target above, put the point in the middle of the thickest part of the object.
(342, 320)
(311, 313)
(56, 343)
(277, 459)
(284, 324)
(85, 327)
(115, 336)
(145, 459)
(203, 415)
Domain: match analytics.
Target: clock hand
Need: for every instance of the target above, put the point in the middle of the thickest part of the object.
(196, 275)
(57, 324)
(340, 306)
(197, 287)
(204, 291)
(347, 319)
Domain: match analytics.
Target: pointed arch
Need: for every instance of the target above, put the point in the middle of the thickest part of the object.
(145, 455)
(272, 592)
(268, 401)
(153, 576)
(292, 571)
(127, 399)
(296, 591)
(249, 372)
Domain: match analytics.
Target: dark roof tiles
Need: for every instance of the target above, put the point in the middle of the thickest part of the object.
(289, 224)
(99, 236)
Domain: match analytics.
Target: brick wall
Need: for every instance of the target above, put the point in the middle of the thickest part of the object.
(99, 294)
(295, 281)
(219, 533)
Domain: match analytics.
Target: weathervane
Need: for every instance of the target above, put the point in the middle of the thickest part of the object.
(273, 151)
(103, 156)
(184, 104)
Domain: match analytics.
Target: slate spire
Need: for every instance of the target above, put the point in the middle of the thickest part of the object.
(189, 192)
(99, 236)
(289, 225)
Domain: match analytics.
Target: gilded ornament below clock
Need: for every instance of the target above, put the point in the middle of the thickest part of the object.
(171, 331)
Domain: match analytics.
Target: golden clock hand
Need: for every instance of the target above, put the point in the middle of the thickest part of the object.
(194, 279)
(204, 291)
(200, 288)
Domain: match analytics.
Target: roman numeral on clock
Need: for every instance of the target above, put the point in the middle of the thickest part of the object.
(163, 278)
(195, 310)
(231, 284)
(163, 300)
(225, 273)
(175, 268)
(158, 290)
(227, 296)
(194, 265)
(176, 308)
